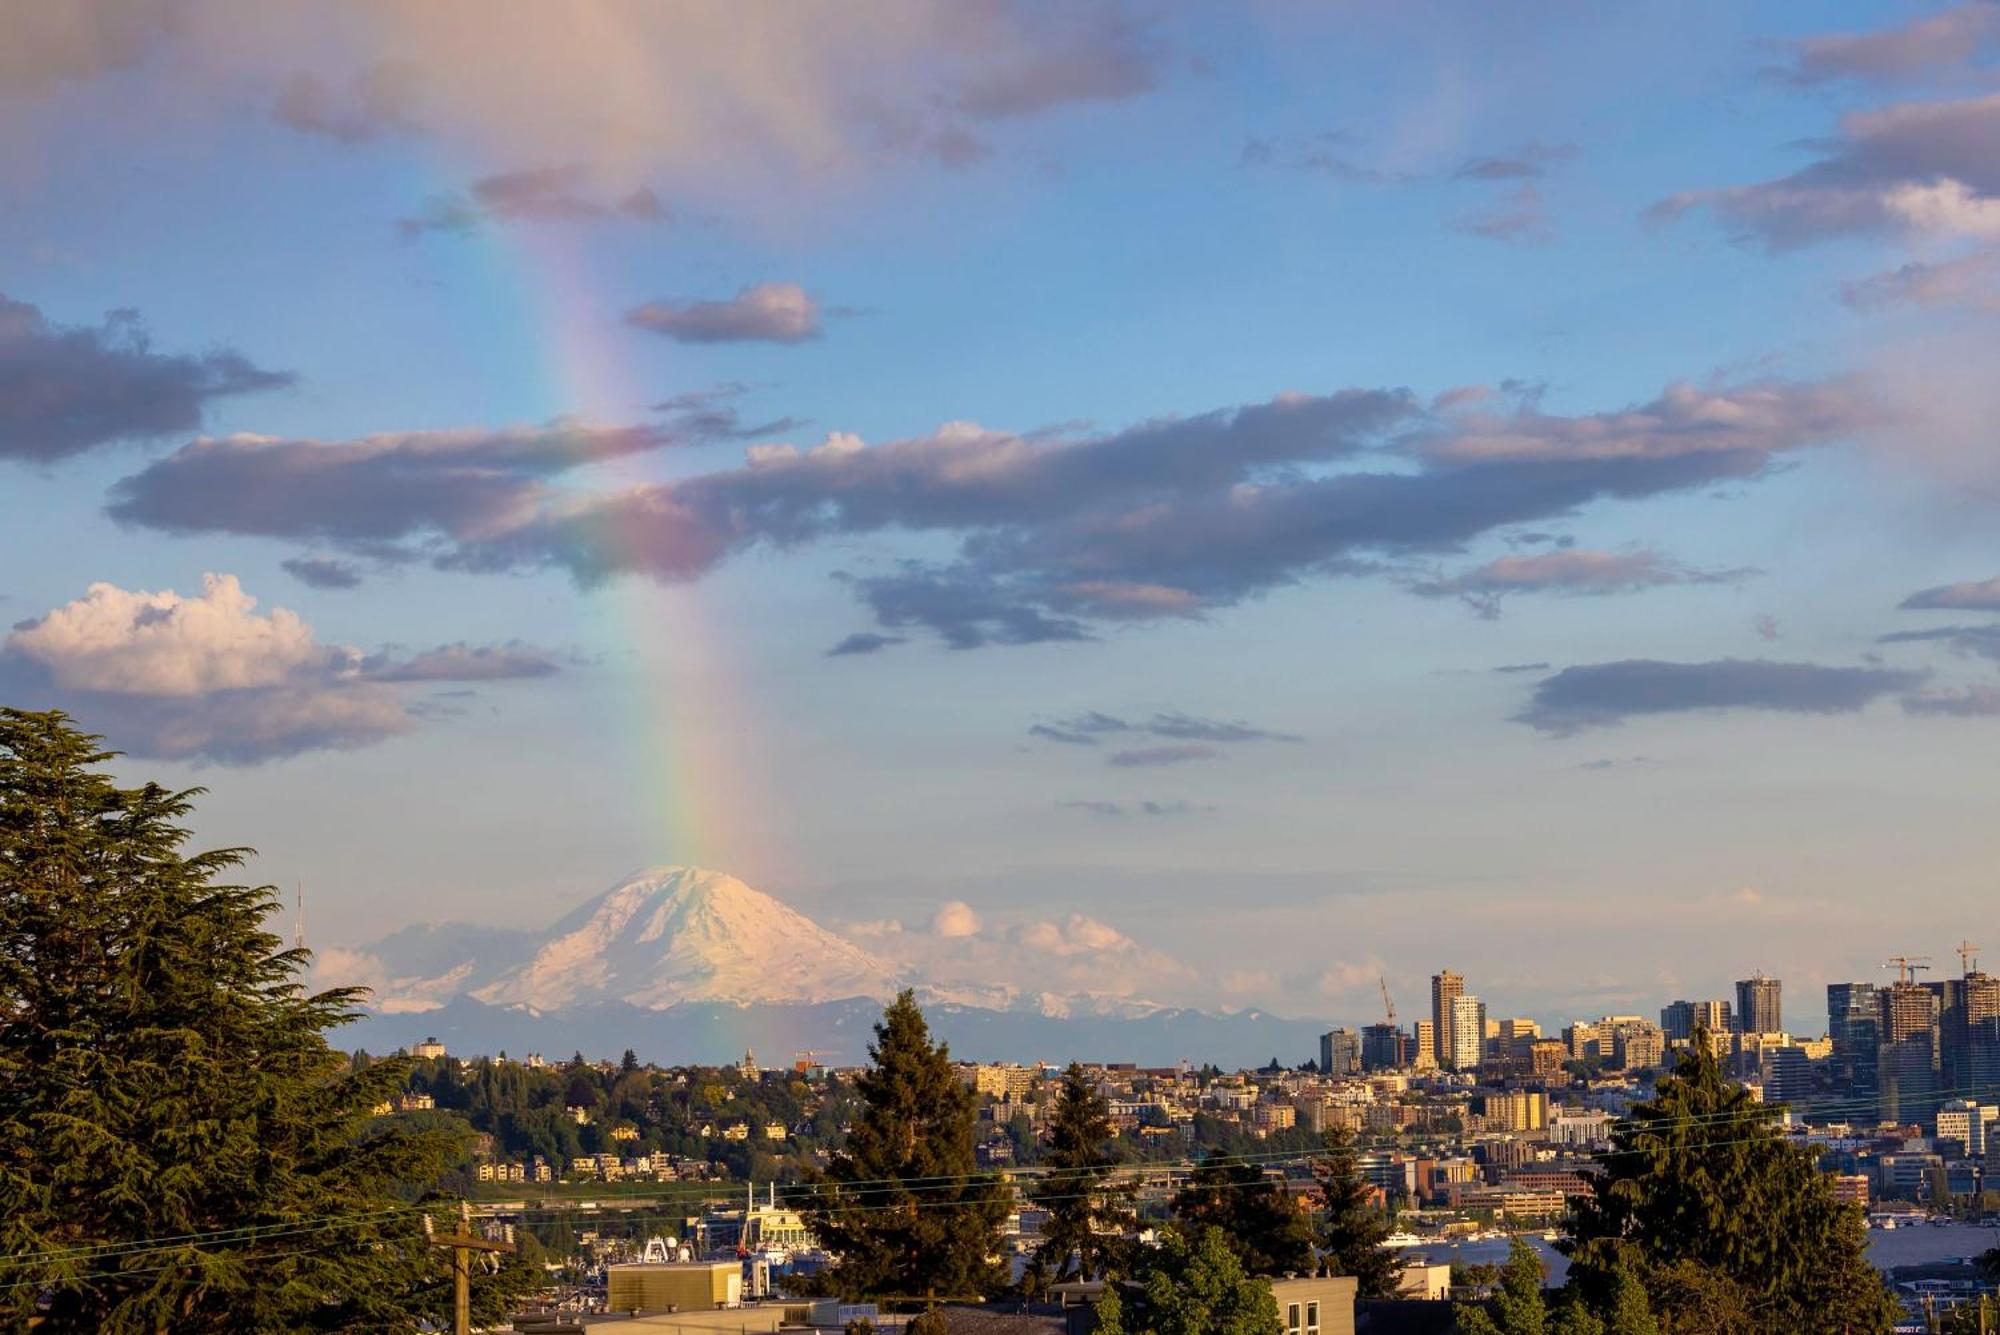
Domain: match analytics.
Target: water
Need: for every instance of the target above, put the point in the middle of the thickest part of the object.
(1886, 1247)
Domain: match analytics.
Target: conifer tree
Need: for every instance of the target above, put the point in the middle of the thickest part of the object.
(180, 1149)
(1699, 1195)
(1351, 1229)
(1260, 1222)
(1088, 1216)
(902, 1208)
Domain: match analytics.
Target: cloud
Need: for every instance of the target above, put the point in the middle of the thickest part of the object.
(1534, 160)
(1515, 668)
(1982, 641)
(1198, 512)
(1152, 757)
(1922, 47)
(1148, 807)
(532, 195)
(322, 572)
(1969, 596)
(1085, 729)
(1325, 154)
(1571, 570)
(760, 313)
(1083, 53)
(1955, 702)
(863, 642)
(1913, 168)
(1517, 216)
(954, 918)
(1078, 934)
(48, 45)
(65, 390)
(381, 100)
(209, 678)
(1968, 282)
(1605, 694)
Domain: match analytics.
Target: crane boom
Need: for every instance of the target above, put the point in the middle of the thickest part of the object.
(1388, 1006)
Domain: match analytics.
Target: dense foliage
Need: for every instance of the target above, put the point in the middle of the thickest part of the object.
(902, 1210)
(1191, 1284)
(1728, 1227)
(1257, 1217)
(1351, 1228)
(180, 1149)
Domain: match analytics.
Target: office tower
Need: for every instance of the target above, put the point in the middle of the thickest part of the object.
(1757, 1006)
(1447, 986)
(1339, 1052)
(1427, 1045)
(1854, 1023)
(1907, 1059)
(1381, 1046)
(1679, 1019)
(1962, 1004)
(1786, 1076)
(1468, 1031)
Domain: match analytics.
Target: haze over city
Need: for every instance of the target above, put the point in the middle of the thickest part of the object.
(1216, 507)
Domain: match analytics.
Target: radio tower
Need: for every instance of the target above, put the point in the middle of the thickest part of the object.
(298, 917)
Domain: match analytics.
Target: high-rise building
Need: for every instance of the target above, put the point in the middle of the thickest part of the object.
(1758, 1008)
(1427, 1046)
(1679, 1019)
(1962, 1003)
(1468, 1031)
(1340, 1052)
(1786, 1075)
(1383, 1047)
(1906, 1071)
(1446, 987)
(1854, 1023)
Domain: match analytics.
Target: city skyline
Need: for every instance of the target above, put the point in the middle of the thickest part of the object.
(1231, 505)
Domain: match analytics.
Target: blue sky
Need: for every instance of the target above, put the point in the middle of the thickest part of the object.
(1262, 378)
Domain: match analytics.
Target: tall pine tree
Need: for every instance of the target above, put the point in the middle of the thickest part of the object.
(1702, 1198)
(1258, 1218)
(902, 1208)
(180, 1149)
(1351, 1229)
(1088, 1216)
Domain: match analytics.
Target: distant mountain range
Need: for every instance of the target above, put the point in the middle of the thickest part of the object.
(684, 964)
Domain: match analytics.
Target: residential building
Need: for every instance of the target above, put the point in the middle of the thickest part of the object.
(1468, 1031)
(1447, 987)
(1680, 1019)
(1758, 1005)
(1383, 1047)
(1907, 1059)
(1340, 1052)
(1786, 1075)
(1427, 1046)
(428, 1050)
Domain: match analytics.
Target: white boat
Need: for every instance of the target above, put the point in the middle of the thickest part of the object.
(1401, 1239)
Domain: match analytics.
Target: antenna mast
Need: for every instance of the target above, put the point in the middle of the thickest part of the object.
(298, 916)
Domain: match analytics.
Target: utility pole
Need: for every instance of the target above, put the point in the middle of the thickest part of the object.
(462, 1244)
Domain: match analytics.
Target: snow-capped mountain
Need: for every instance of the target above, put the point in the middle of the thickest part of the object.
(675, 934)
(685, 963)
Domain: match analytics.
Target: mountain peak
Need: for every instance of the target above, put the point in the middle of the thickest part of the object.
(677, 933)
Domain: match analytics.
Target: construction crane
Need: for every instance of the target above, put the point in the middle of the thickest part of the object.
(805, 1059)
(1968, 957)
(1906, 966)
(1388, 1006)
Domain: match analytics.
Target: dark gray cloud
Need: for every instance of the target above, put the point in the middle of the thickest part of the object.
(67, 389)
(863, 642)
(1087, 728)
(534, 194)
(1955, 702)
(1605, 694)
(1059, 535)
(1968, 596)
(1981, 641)
(323, 572)
(511, 661)
(1913, 167)
(1082, 53)
(1513, 669)
(1575, 571)
(760, 313)
(1919, 49)
(1148, 807)
(1151, 757)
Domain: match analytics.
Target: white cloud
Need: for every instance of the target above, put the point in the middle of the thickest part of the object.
(954, 918)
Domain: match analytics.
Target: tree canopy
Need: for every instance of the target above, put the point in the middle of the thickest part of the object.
(1191, 1284)
(1258, 1218)
(180, 1148)
(901, 1208)
(1088, 1216)
(1351, 1230)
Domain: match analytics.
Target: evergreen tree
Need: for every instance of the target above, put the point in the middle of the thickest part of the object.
(1088, 1216)
(1268, 1232)
(1351, 1229)
(164, 1076)
(901, 1208)
(1518, 1308)
(1698, 1178)
(1191, 1284)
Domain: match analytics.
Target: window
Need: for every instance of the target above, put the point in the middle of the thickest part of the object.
(1312, 1319)
(1292, 1319)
